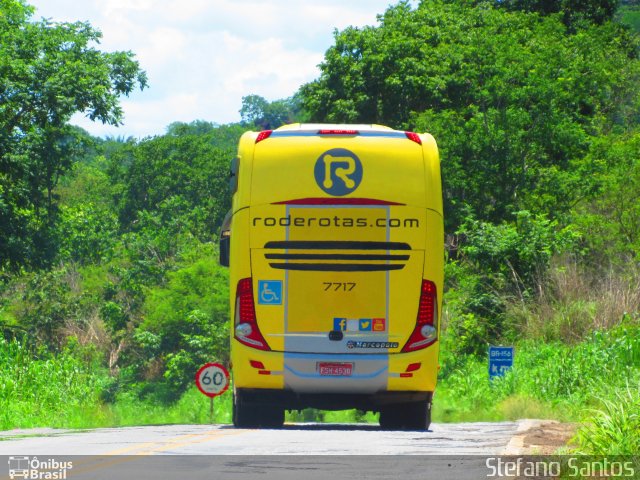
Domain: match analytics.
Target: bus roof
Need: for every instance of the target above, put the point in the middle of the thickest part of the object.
(333, 126)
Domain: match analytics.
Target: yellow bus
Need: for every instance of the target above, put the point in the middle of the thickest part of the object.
(335, 248)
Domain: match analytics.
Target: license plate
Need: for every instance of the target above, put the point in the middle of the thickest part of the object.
(335, 369)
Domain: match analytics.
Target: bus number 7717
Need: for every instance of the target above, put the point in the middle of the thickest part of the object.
(339, 286)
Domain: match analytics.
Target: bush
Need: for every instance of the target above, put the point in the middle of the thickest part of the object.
(614, 429)
(498, 265)
(185, 325)
(43, 389)
(560, 379)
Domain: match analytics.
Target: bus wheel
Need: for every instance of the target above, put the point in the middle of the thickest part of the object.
(244, 415)
(406, 416)
(251, 415)
(272, 417)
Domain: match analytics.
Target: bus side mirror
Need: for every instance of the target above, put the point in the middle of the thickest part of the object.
(225, 248)
(233, 175)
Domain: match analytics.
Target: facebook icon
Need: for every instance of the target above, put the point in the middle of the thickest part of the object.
(340, 324)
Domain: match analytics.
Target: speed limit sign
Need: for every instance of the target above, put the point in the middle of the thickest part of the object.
(212, 379)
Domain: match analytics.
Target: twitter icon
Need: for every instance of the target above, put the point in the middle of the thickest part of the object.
(365, 324)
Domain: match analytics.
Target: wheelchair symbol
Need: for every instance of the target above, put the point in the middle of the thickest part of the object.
(269, 296)
(270, 292)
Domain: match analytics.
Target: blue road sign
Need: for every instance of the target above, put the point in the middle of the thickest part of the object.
(500, 360)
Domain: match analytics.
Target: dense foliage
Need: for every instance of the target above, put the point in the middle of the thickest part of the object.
(108, 245)
(48, 72)
(513, 99)
(538, 140)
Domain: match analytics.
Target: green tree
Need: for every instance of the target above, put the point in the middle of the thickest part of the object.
(512, 98)
(573, 12)
(220, 136)
(498, 264)
(48, 72)
(185, 325)
(197, 127)
(611, 219)
(176, 183)
(263, 114)
(629, 14)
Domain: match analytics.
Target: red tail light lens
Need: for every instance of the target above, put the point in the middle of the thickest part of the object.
(246, 325)
(427, 306)
(414, 137)
(256, 364)
(263, 135)
(413, 367)
(426, 330)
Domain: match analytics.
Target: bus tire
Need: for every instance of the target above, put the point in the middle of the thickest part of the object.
(420, 416)
(272, 416)
(243, 415)
(406, 416)
(251, 415)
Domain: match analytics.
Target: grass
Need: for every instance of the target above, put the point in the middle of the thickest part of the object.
(192, 408)
(56, 391)
(594, 382)
(615, 426)
(467, 395)
(339, 416)
(573, 302)
(65, 391)
(549, 380)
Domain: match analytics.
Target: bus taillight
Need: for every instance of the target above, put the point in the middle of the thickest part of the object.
(414, 137)
(425, 331)
(263, 135)
(246, 325)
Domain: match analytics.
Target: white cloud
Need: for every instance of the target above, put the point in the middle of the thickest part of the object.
(203, 56)
(266, 65)
(117, 6)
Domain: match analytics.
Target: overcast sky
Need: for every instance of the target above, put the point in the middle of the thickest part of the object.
(203, 56)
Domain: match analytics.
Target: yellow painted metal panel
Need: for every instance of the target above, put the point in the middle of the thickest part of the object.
(299, 192)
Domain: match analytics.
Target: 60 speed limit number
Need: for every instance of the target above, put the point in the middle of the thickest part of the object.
(212, 379)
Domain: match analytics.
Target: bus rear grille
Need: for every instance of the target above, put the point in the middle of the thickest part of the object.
(338, 262)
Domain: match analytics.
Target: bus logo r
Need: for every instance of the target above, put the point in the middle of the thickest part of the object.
(338, 171)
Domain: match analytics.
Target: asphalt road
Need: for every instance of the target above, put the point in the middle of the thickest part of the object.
(297, 451)
(293, 439)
